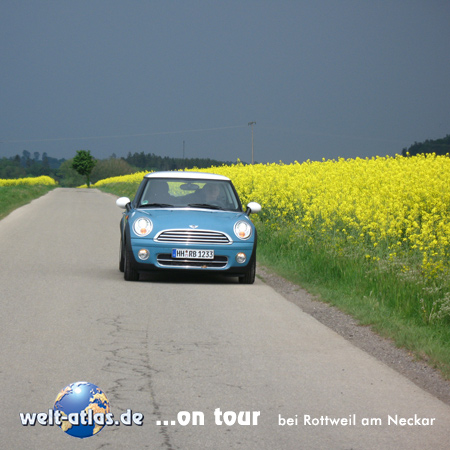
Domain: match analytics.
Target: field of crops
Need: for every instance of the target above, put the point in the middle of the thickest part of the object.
(30, 181)
(392, 208)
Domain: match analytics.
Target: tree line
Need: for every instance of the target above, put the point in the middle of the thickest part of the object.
(63, 171)
(156, 162)
(438, 146)
(29, 165)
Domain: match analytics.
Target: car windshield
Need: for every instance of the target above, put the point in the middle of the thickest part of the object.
(182, 193)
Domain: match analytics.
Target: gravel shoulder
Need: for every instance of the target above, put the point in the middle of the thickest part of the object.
(419, 372)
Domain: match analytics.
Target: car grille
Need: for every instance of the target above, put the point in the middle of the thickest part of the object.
(193, 237)
(165, 259)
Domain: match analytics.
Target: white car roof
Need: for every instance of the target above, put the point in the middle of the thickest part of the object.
(189, 175)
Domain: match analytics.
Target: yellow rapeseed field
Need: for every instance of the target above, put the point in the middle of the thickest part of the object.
(394, 208)
(32, 181)
(132, 178)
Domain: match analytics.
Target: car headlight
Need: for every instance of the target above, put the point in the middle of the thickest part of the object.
(142, 226)
(242, 229)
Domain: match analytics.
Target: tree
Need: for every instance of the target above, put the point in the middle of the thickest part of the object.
(26, 158)
(10, 168)
(111, 167)
(83, 163)
(438, 146)
(45, 162)
(67, 176)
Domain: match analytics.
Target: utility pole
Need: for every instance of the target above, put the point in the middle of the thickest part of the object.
(251, 124)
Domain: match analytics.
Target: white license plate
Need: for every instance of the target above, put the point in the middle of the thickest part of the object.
(189, 253)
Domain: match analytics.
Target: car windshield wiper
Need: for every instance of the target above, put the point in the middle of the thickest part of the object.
(204, 205)
(156, 205)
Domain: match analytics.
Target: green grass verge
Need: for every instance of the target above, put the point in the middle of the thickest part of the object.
(12, 197)
(120, 189)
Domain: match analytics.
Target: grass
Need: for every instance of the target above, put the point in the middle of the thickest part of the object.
(120, 189)
(12, 197)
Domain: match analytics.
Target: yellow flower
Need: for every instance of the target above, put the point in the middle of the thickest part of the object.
(42, 180)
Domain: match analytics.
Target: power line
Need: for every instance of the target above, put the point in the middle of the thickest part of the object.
(120, 136)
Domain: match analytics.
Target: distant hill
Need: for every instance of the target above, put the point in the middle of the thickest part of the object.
(438, 146)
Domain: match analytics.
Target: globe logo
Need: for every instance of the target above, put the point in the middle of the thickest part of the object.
(83, 408)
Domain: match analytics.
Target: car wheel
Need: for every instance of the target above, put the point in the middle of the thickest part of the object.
(129, 273)
(249, 276)
(121, 257)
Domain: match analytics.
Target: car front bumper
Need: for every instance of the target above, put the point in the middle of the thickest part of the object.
(160, 256)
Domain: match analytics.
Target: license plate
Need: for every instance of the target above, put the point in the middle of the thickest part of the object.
(189, 253)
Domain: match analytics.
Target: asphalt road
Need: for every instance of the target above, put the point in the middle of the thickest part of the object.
(208, 347)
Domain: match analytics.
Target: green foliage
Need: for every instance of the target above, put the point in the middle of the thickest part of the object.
(11, 168)
(438, 146)
(111, 167)
(67, 176)
(151, 161)
(24, 166)
(83, 163)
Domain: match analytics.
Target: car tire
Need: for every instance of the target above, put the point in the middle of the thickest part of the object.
(129, 273)
(121, 257)
(249, 276)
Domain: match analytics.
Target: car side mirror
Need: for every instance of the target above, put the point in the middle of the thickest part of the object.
(122, 202)
(253, 208)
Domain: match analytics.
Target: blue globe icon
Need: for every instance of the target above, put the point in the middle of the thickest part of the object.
(78, 404)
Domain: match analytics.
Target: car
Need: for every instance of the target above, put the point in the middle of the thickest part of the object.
(187, 221)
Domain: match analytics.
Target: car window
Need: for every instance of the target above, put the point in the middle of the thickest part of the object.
(188, 192)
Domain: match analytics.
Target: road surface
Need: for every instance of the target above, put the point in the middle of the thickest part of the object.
(189, 354)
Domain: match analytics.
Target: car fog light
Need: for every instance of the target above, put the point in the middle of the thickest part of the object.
(143, 254)
(241, 258)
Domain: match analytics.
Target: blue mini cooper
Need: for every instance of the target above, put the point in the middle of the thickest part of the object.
(187, 221)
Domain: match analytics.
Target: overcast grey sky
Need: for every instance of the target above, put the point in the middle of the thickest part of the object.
(321, 78)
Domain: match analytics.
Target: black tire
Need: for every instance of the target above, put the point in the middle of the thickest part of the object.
(129, 273)
(121, 257)
(249, 276)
